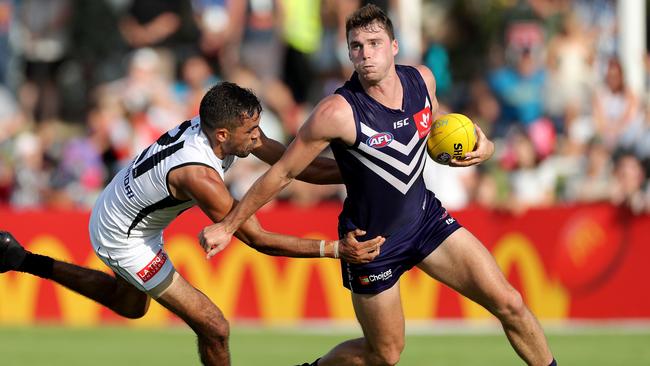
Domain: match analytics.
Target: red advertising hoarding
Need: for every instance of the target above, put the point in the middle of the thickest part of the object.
(582, 262)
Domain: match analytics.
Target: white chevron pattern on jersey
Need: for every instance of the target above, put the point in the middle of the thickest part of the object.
(395, 145)
(388, 177)
(406, 169)
(399, 147)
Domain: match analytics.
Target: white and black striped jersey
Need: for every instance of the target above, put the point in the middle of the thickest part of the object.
(137, 203)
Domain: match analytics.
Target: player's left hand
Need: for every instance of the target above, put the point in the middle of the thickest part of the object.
(353, 251)
(484, 150)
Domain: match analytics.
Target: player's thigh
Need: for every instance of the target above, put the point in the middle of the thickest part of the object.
(129, 296)
(381, 318)
(464, 264)
(191, 305)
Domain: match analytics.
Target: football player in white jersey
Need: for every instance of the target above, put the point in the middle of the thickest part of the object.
(184, 167)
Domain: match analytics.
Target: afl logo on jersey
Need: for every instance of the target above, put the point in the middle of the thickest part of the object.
(380, 140)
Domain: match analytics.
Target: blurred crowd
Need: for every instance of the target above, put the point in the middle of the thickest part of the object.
(85, 85)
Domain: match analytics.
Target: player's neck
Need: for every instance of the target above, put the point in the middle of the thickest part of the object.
(217, 147)
(218, 151)
(387, 91)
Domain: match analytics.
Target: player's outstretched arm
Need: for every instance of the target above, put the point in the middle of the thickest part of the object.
(204, 185)
(320, 171)
(331, 119)
(348, 248)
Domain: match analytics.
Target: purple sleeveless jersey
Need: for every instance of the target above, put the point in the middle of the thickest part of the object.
(386, 194)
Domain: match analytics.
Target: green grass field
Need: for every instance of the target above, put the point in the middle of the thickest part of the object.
(54, 346)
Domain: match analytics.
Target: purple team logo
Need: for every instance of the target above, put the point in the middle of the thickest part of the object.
(379, 140)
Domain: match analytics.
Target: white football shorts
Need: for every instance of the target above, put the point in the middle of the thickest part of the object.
(142, 262)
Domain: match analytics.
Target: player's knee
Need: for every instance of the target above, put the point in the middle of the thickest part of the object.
(130, 308)
(216, 331)
(133, 309)
(510, 305)
(133, 313)
(127, 301)
(389, 356)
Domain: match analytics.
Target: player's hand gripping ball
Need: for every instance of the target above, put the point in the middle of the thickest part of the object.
(452, 136)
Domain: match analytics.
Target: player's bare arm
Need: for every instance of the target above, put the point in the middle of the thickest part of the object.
(348, 248)
(205, 186)
(484, 147)
(331, 119)
(321, 171)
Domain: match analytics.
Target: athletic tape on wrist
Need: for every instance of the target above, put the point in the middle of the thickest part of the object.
(322, 248)
(336, 249)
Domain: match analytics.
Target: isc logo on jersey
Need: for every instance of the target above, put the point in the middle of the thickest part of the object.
(401, 123)
(380, 140)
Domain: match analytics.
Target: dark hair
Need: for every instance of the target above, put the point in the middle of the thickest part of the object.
(366, 16)
(225, 105)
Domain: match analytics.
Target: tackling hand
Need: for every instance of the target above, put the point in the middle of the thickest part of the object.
(483, 151)
(353, 251)
(214, 239)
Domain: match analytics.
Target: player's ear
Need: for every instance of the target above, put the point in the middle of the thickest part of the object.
(395, 47)
(221, 134)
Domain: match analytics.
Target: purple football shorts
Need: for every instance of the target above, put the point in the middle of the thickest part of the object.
(401, 251)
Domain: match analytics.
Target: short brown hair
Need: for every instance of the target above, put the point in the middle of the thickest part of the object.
(225, 105)
(366, 16)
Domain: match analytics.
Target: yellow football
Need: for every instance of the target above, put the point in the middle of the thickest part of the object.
(452, 136)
